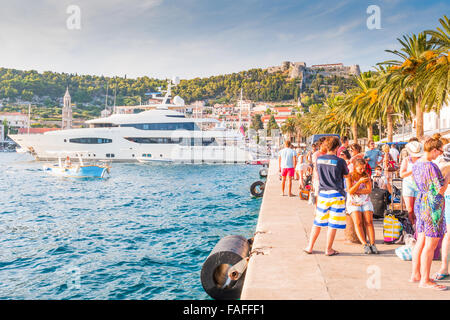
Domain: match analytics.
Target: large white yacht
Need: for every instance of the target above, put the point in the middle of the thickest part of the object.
(159, 133)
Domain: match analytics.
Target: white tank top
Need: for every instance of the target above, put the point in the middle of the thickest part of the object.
(409, 178)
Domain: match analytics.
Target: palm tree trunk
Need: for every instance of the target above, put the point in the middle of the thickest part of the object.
(390, 127)
(419, 120)
(355, 132)
(370, 132)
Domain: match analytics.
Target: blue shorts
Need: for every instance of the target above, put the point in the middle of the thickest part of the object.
(368, 206)
(409, 189)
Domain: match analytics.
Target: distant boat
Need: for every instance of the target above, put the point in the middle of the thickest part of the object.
(76, 170)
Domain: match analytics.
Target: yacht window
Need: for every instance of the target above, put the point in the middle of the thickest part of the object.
(103, 125)
(90, 140)
(153, 140)
(199, 142)
(110, 155)
(163, 126)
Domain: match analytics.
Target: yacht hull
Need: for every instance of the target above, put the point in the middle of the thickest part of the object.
(42, 147)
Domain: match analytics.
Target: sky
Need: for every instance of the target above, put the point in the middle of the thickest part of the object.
(201, 38)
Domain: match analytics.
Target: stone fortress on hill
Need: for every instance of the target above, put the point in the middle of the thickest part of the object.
(299, 69)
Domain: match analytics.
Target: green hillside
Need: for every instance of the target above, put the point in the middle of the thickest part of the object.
(45, 90)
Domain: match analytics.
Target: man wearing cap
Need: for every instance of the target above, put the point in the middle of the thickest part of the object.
(409, 188)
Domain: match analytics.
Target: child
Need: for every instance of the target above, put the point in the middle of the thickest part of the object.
(359, 205)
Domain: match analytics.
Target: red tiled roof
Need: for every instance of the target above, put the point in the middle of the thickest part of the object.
(283, 109)
(264, 118)
(12, 114)
(36, 130)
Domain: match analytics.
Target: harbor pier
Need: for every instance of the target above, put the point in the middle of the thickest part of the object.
(279, 269)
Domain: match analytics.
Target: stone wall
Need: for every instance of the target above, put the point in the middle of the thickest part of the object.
(297, 69)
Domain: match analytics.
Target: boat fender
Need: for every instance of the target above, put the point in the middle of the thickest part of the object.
(230, 251)
(257, 189)
(263, 173)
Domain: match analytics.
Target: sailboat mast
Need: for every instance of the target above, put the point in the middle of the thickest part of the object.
(29, 117)
(115, 89)
(240, 110)
(106, 97)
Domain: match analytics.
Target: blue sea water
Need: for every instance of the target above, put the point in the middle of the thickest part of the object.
(143, 233)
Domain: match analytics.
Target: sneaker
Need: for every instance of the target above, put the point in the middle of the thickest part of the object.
(374, 249)
(367, 249)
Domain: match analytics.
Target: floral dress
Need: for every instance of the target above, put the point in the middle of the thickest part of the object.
(429, 205)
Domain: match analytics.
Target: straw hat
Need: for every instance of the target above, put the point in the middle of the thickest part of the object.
(415, 149)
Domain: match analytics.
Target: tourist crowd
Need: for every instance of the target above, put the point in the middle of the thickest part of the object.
(341, 178)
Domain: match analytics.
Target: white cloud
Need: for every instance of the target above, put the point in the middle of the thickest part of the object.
(196, 37)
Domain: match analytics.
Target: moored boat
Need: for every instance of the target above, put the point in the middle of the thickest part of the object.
(77, 170)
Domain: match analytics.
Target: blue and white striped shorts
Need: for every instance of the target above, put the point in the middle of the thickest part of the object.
(330, 210)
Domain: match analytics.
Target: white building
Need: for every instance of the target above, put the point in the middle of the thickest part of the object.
(105, 113)
(433, 121)
(15, 120)
(67, 112)
(198, 108)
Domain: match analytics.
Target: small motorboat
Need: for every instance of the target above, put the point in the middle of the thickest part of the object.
(77, 170)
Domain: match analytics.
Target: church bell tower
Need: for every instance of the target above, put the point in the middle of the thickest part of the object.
(67, 112)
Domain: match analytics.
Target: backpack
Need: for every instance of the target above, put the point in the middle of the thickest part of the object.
(368, 169)
(380, 200)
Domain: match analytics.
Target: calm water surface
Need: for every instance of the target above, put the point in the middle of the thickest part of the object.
(141, 234)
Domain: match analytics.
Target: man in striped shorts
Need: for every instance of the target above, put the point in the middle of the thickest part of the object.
(330, 211)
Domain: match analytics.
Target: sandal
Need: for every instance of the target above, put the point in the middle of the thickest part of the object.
(440, 276)
(306, 251)
(334, 253)
(434, 286)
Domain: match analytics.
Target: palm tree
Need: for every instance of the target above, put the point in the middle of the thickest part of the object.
(434, 75)
(361, 103)
(331, 119)
(401, 84)
(289, 127)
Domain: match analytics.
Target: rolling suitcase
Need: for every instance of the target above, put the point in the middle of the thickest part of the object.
(380, 200)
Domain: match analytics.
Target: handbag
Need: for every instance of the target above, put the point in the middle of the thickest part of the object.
(392, 229)
(405, 252)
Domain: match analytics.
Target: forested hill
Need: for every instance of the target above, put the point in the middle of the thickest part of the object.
(47, 88)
